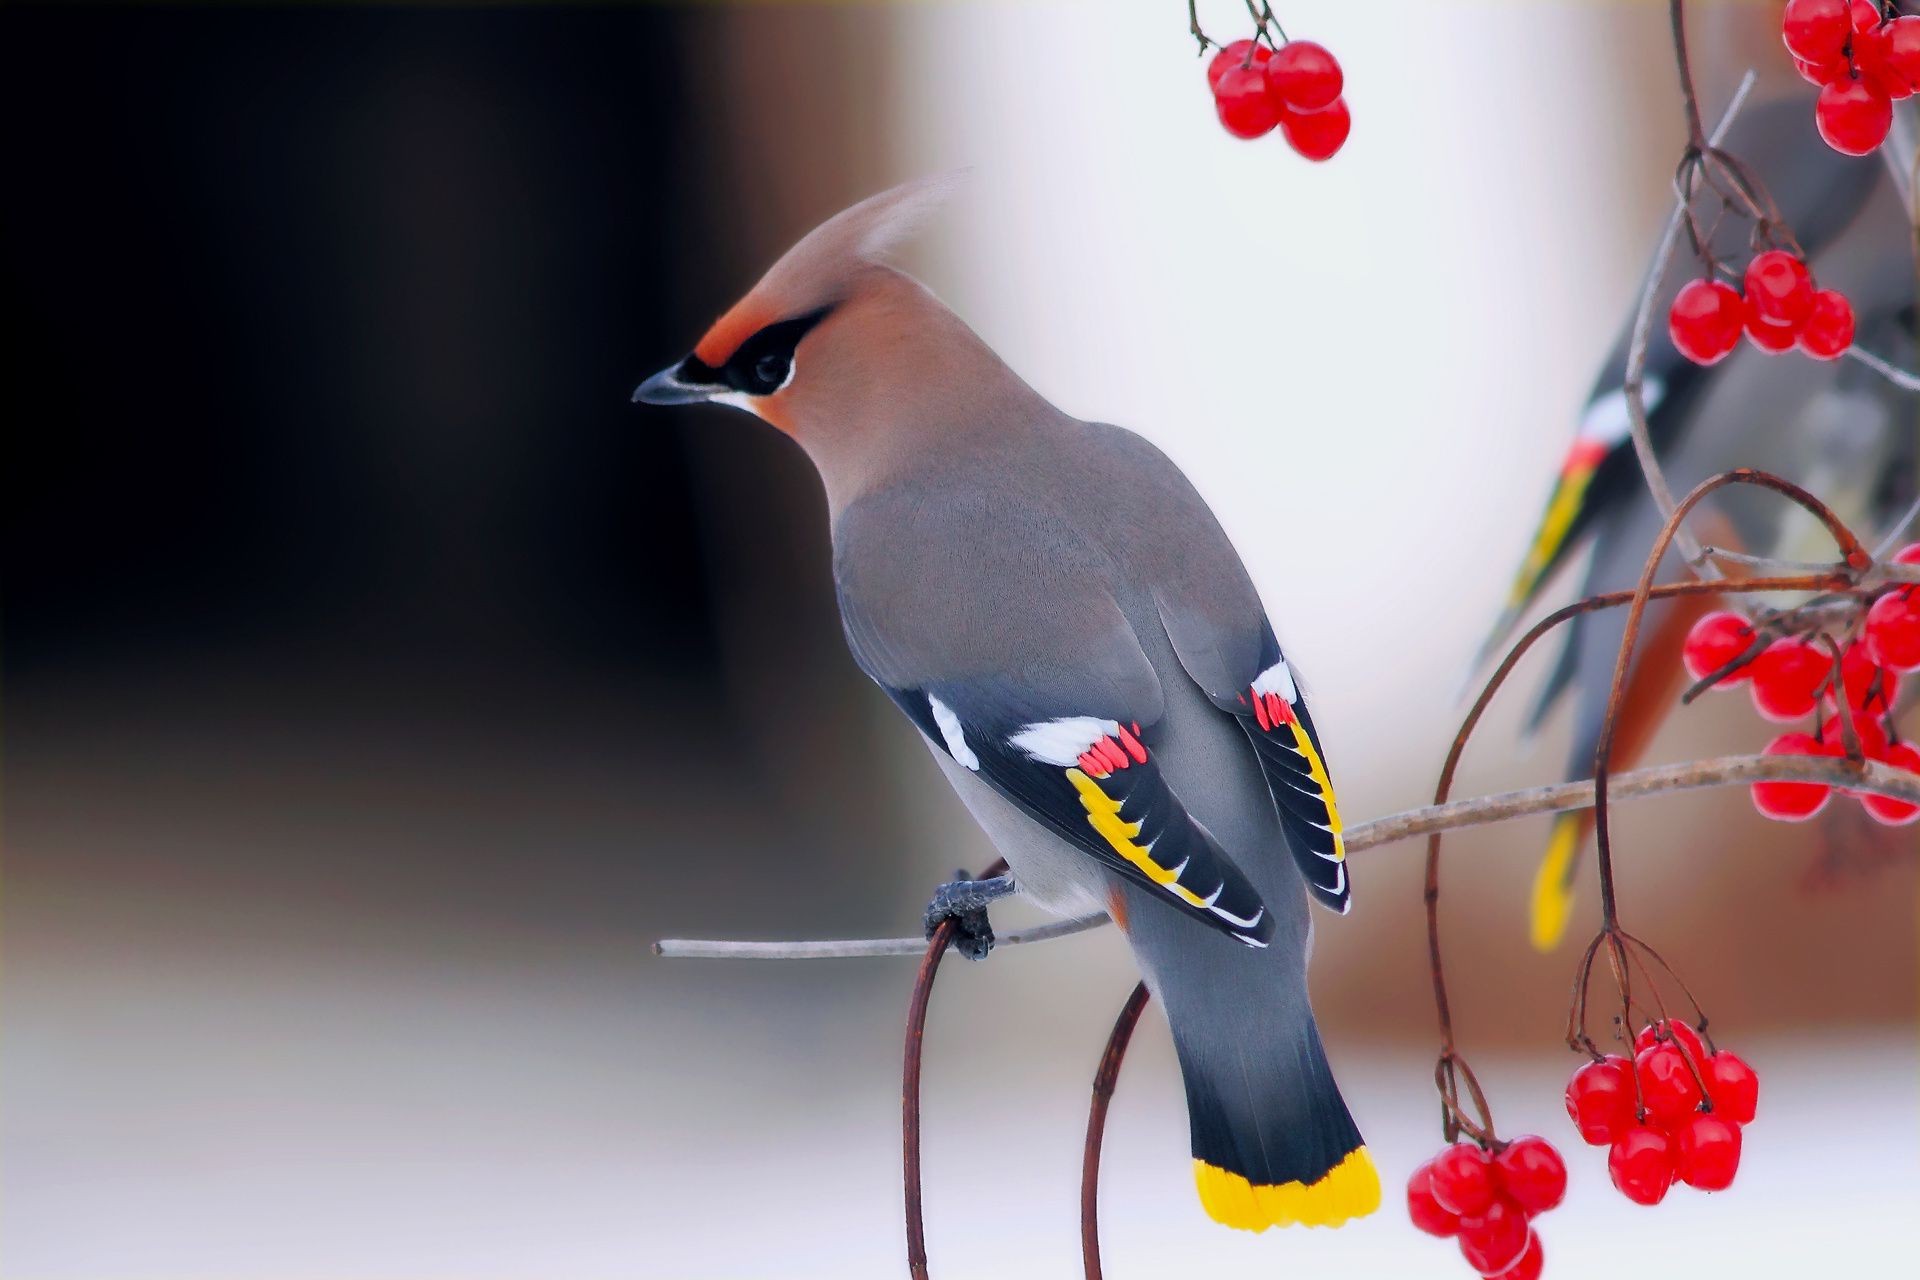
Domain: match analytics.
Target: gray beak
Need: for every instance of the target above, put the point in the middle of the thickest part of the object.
(665, 387)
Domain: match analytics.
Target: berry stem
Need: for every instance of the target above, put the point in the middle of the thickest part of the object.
(1696, 135)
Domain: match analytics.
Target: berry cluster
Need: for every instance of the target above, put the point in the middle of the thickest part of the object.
(1486, 1201)
(1793, 677)
(1862, 62)
(1295, 88)
(1780, 311)
(1674, 1110)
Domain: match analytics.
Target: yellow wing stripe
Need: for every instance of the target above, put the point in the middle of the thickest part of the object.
(1351, 1189)
(1553, 884)
(1317, 769)
(1103, 815)
(1561, 510)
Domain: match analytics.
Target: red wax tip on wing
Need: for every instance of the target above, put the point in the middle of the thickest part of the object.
(1584, 456)
(1109, 751)
(1132, 744)
(1093, 764)
(1260, 711)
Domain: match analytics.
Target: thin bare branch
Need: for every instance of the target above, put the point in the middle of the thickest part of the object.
(1561, 797)
(1633, 386)
(1891, 372)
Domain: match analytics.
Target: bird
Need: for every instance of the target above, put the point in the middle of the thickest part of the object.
(1058, 612)
(1840, 429)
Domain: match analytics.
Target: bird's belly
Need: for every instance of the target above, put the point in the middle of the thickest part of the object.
(1055, 875)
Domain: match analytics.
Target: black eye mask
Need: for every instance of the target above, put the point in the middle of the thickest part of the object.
(761, 364)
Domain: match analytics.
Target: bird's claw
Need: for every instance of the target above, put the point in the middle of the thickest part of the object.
(964, 901)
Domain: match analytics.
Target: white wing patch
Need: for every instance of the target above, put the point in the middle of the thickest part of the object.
(955, 736)
(1062, 742)
(1277, 679)
(1606, 419)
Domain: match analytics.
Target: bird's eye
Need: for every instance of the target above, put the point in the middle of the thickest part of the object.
(770, 371)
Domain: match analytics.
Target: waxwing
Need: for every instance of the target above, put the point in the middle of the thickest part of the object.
(1056, 610)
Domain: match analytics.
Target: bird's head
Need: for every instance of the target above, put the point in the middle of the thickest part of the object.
(807, 337)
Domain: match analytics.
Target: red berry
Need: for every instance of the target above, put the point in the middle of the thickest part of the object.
(1909, 554)
(1787, 676)
(1235, 55)
(1815, 30)
(1317, 135)
(1864, 14)
(1900, 52)
(1707, 1151)
(1676, 1032)
(1532, 1174)
(1641, 1164)
(1496, 1239)
(1462, 1180)
(1705, 320)
(1427, 1213)
(1778, 288)
(1530, 1264)
(1792, 801)
(1828, 331)
(1819, 73)
(1885, 809)
(1853, 116)
(1869, 689)
(1733, 1086)
(1667, 1086)
(1600, 1100)
(1241, 99)
(1303, 76)
(1715, 641)
(1893, 630)
(1774, 339)
(1872, 735)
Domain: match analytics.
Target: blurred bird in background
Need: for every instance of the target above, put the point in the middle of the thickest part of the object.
(1056, 609)
(1839, 429)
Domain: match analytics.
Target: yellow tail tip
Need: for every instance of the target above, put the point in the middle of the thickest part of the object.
(1553, 885)
(1351, 1189)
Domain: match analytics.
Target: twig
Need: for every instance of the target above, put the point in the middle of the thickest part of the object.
(1504, 806)
(1632, 387)
(1104, 1079)
(1898, 533)
(936, 947)
(1891, 372)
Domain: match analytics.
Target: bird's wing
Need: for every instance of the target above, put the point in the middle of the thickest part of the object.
(1249, 678)
(1045, 695)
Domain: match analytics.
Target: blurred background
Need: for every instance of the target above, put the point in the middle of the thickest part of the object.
(378, 683)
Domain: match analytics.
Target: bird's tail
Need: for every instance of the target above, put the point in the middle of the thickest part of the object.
(1273, 1143)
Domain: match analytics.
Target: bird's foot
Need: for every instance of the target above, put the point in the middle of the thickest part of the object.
(964, 901)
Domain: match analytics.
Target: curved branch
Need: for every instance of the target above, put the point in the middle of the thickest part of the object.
(1104, 1079)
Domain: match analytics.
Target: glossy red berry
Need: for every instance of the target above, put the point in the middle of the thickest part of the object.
(1235, 55)
(1893, 630)
(1303, 76)
(1819, 73)
(1427, 1213)
(1318, 135)
(1885, 809)
(1815, 30)
(1792, 801)
(1531, 1174)
(1900, 53)
(1828, 331)
(1706, 320)
(1779, 288)
(1707, 1152)
(1667, 1086)
(1462, 1180)
(1496, 1239)
(1733, 1086)
(1716, 640)
(1675, 1031)
(1872, 735)
(1787, 676)
(1853, 116)
(1909, 554)
(1600, 1100)
(1241, 98)
(1531, 1263)
(1774, 339)
(1641, 1164)
(1865, 15)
